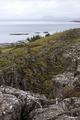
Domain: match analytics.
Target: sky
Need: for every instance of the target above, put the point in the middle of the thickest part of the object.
(35, 9)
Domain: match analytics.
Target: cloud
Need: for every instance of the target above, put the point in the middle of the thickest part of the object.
(39, 8)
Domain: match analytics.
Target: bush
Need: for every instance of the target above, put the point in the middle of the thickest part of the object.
(47, 35)
(34, 38)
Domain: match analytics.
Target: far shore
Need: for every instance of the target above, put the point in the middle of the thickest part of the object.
(19, 34)
(75, 21)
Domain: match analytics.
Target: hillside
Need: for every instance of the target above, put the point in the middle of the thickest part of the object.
(36, 66)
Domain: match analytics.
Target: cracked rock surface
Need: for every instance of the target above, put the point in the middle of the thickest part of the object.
(10, 107)
(16, 104)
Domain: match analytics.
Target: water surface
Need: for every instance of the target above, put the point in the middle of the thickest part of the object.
(31, 27)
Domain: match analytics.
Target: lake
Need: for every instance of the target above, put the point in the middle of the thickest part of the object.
(30, 27)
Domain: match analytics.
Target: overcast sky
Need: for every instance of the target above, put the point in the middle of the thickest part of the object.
(27, 9)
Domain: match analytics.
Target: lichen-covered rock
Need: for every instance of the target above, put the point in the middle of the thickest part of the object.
(10, 107)
(66, 83)
(61, 81)
(16, 104)
(67, 109)
(46, 113)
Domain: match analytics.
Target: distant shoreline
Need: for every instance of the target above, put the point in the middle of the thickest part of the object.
(19, 34)
(75, 21)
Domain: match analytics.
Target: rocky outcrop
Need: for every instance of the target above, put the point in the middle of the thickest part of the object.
(67, 109)
(66, 85)
(61, 82)
(10, 107)
(16, 104)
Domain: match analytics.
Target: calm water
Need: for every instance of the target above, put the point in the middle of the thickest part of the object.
(11, 27)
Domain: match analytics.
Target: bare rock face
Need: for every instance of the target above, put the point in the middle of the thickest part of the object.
(65, 84)
(10, 107)
(67, 109)
(61, 81)
(48, 113)
(16, 104)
